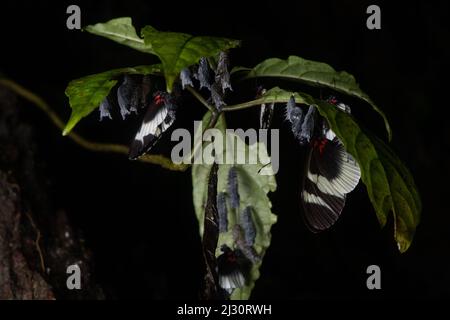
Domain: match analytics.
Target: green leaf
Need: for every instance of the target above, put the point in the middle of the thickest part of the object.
(253, 189)
(240, 69)
(200, 172)
(406, 199)
(180, 50)
(276, 95)
(85, 94)
(121, 30)
(315, 74)
(389, 183)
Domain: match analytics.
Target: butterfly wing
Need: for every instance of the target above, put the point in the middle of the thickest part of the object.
(330, 174)
(266, 115)
(159, 118)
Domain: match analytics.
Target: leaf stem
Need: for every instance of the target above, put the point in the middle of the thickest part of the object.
(245, 105)
(81, 141)
(212, 122)
(235, 107)
(199, 97)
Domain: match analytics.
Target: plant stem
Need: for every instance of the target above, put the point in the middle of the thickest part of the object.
(254, 103)
(235, 107)
(90, 145)
(200, 98)
(212, 122)
(245, 105)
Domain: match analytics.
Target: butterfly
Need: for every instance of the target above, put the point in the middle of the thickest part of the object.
(232, 269)
(159, 117)
(329, 173)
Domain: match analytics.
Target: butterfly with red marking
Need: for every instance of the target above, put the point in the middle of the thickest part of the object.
(233, 269)
(330, 172)
(159, 117)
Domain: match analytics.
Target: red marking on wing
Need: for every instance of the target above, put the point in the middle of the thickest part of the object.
(333, 100)
(320, 144)
(231, 257)
(159, 99)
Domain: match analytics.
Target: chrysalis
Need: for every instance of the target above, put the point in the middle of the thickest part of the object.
(185, 77)
(105, 109)
(307, 126)
(266, 111)
(203, 74)
(195, 72)
(233, 190)
(248, 225)
(216, 97)
(222, 212)
(294, 115)
(292, 112)
(239, 240)
(126, 96)
(266, 115)
(222, 74)
(133, 93)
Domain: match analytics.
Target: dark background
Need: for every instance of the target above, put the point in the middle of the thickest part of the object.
(138, 219)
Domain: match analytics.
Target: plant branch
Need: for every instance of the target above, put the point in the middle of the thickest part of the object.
(199, 97)
(212, 122)
(249, 104)
(210, 286)
(87, 144)
(235, 107)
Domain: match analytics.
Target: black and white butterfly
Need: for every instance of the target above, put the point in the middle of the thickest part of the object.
(330, 172)
(158, 118)
(232, 269)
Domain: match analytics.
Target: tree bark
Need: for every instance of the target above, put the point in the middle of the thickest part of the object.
(37, 242)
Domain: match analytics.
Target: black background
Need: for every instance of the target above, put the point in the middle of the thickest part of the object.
(138, 219)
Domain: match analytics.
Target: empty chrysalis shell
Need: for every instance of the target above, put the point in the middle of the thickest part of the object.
(248, 226)
(222, 74)
(185, 77)
(233, 188)
(222, 212)
(203, 74)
